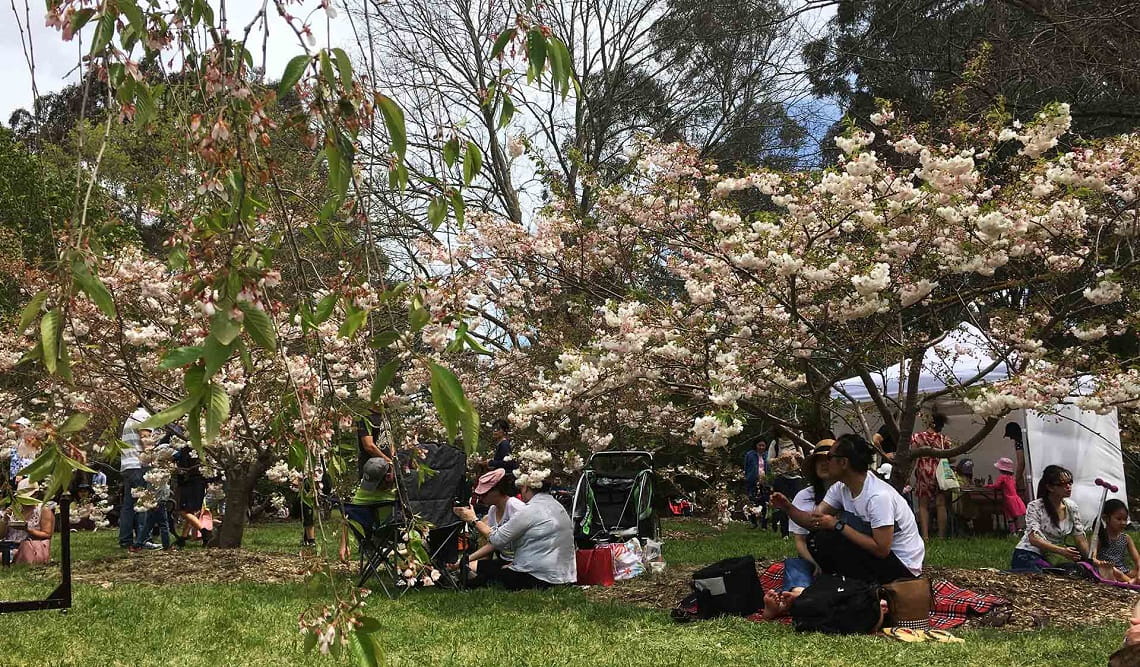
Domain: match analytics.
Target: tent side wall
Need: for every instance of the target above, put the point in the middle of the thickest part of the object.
(1087, 444)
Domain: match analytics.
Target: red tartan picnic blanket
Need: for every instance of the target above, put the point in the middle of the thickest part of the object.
(952, 604)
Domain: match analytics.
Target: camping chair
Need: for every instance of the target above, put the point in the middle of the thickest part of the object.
(376, 536)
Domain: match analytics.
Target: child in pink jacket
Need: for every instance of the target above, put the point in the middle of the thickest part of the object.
(1012, 504)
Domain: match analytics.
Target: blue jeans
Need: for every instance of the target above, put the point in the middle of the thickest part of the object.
(800, 572)
(156, 517)
(130, 521)
(1025, 560)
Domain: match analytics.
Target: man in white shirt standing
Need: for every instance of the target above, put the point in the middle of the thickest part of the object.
(131, 522)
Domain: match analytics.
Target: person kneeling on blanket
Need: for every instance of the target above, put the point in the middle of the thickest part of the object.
(878, 539)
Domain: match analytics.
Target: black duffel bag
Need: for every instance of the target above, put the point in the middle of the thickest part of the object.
(837, 605)
(730, 586)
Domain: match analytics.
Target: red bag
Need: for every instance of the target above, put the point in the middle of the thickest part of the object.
(595, 567)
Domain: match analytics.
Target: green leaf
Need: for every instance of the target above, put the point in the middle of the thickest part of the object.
(454, 409)
(44, 463)
(310, 641)
(472, 162)
(364, 649)
(173, 413)
(216, 354)
(383, 379)
(217, 411)
(536, 54)
(74, 423)
(293, 72)
(368, 625)
(49, 338)
(194, 381)
(194, 430)
(104, 31)
(223, 327)
(259, 327)
(338, 177)
(30, 311)
(451, 151)
(398, 177)
(417, 317)
(385, 338)
(80, 19)
(134, 16)
(326, 69)
(181, 356)
(506, 112)
(561, 65)
(437, 211)
(352, 323)
(344, 66)
(504, 38)
(394, 119)
(325, 308)
(459, 207)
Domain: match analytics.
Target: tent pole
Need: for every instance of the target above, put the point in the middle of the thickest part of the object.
(1029, 487)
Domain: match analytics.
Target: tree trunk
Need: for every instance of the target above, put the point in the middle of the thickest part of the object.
(240, 482)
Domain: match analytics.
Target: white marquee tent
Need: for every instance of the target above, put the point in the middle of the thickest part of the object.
(1086, 443)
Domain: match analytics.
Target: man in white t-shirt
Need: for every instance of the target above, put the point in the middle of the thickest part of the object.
(131, 522)
(894, 550)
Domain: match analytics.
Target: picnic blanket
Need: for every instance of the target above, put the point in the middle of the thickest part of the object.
(951, 607)
(1093, 573)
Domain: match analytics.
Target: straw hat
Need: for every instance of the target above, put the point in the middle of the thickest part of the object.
(822, 449)
(26, 487)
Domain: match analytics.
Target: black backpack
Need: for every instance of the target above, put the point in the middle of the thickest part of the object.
(730, 586)
(837, 605)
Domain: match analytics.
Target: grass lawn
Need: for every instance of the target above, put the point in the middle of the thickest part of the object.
(252, 623)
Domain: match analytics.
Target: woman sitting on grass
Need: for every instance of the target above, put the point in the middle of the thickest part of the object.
(799, 572)
(1048, 521)
(541, 535)
(497, 489)
(29, 526)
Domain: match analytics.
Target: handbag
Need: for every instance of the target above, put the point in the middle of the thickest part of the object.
(730, 586)
(947, 479)
(909, 602)
(595, 566)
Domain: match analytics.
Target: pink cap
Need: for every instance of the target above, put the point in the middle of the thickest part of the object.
(1004, 464)
(488, 481)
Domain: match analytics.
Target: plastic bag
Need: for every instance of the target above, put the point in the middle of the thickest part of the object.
(653, 559)
(627, 560)
(947, 479)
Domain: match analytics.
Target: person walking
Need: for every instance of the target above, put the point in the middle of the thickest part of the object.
(753, 485)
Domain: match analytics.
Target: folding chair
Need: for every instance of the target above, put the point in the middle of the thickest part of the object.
(377, 538)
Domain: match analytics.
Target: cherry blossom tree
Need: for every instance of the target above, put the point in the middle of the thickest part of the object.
(769, 287)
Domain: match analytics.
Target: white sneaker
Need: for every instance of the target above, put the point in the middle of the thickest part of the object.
(151, 545)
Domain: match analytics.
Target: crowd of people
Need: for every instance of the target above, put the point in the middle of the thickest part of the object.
(848, 521)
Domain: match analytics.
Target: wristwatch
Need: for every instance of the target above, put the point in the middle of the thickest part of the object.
(840, 525)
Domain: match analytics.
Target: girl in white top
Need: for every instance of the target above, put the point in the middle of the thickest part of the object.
(496, 489)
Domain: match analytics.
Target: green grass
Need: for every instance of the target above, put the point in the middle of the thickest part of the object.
(248, 624)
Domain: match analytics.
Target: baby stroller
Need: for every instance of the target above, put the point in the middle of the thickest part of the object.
(378, 527)
(613, 500)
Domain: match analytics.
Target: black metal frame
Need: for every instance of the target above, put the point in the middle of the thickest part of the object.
(60, 598)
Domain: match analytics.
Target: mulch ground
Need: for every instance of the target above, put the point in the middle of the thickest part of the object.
(1037, 600)
(190, 566)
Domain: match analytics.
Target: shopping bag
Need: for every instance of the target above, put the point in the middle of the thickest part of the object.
(595, 566)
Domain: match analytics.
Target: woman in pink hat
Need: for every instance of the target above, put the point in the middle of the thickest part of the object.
(1012, 503)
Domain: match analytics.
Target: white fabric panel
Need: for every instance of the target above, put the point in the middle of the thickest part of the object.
(1087, 444)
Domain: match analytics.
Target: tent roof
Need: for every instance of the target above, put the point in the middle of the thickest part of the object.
(959, 357)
